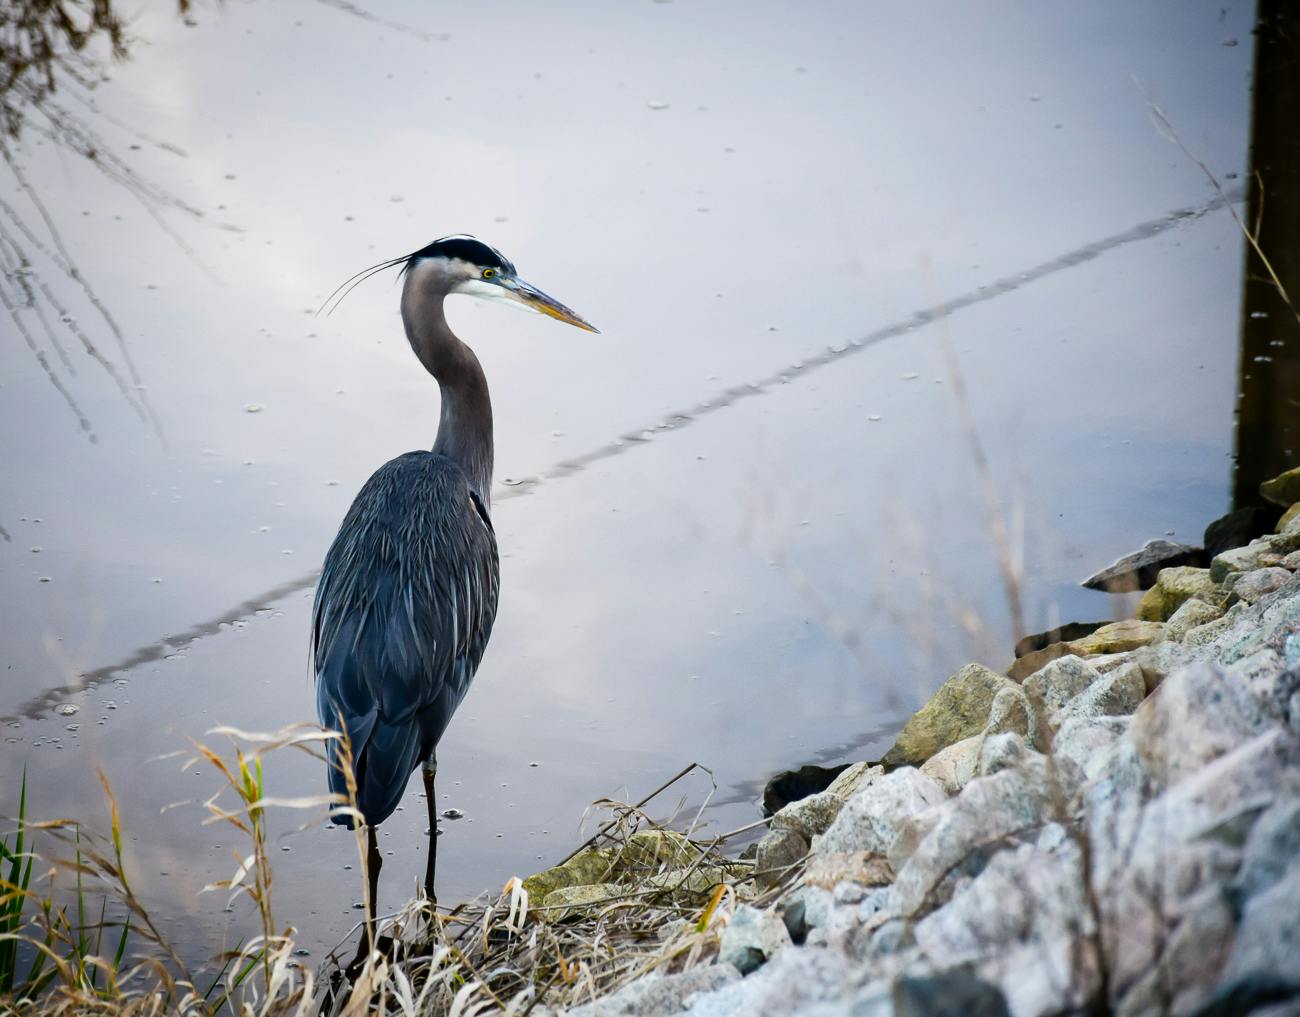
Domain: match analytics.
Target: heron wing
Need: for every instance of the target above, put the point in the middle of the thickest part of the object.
(404, 607)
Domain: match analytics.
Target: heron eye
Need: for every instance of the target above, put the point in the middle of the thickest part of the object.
(488, 273)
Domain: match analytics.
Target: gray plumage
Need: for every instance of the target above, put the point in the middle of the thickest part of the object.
(403, 613)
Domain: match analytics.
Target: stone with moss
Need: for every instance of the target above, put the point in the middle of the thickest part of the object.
(571, 901)
(1174, 587)
(589, 866)
(651, 849)
(958, 710)
(1284, 489)
(1191, 614)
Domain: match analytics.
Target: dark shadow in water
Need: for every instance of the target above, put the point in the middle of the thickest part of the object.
(1268, 410)
(749, 791)
(37, 706)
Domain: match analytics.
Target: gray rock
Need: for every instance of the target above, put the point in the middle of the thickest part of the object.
(1208, 632)
(1022, 895)
(1191, 614)
(1240, 559)
(1188, 967)
(1002, 752)
(1291, 561)
(989, 810)
(956, 993)
(813, 904)
(855, 777)
(871, 819)
(752, 937)
(953, 767)
(1138, 570)
(1009, 712)
(1268, 938)
(1116, 694)
(1050, 689)
(1273, 845)
(1194, 717)
(655, 995)
(789, 983)
(1085, 740)
(809, 816)
(778, 852)
(1254, 585)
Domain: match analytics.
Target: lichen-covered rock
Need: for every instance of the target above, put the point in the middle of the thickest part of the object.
(953, 767)
(809, 816)
(698, 879)
(855, 777)
(828, 869)
(1118, 637)
(1292, 560)
(1290, 518)
(1284, 489)
(650, 849)
(1173, 587)
(568, 901)
(583, 869)
(1254, 585)
(871, 819)
(958, 710)
(1192, 613)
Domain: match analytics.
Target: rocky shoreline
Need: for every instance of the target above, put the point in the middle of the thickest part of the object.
(1112, 826)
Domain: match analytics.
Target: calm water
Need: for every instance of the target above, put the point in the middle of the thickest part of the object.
(747, 577)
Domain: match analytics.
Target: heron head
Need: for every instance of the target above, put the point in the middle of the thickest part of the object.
(470, 266)
(463, 264)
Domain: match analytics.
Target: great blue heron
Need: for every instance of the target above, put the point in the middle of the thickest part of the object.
(408, 591)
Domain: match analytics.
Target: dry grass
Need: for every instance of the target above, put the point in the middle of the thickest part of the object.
(666, 895)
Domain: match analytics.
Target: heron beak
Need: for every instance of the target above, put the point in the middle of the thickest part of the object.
(535, 300)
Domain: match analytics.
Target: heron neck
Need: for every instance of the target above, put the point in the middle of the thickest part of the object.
(465, 422)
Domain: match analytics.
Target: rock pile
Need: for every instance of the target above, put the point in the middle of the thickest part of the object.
(1116, 830)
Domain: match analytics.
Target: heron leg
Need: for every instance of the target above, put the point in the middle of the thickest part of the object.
(374, 862)
(430, 771)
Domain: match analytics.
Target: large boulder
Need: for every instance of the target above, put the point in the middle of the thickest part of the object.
(989, 810)
(1116, 637)
(958, 710)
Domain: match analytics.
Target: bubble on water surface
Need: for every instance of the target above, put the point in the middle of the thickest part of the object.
(67, 709)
